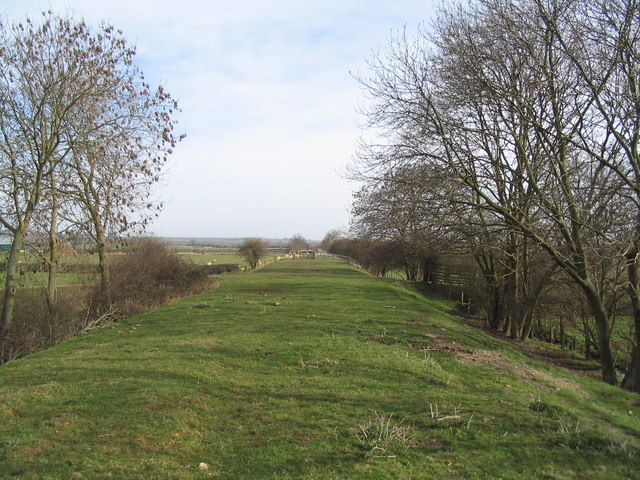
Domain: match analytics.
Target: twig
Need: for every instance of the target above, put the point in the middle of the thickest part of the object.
(447, 418)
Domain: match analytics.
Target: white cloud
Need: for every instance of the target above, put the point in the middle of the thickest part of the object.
(268, 103)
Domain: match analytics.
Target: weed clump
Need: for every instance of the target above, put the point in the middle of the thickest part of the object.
(543, 407)
(573, 436)
(383, 437)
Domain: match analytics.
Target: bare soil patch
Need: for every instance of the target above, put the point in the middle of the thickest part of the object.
(383, 340)
(566, 359)
(532, 375)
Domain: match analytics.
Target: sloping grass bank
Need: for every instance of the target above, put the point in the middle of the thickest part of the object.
(306, 369)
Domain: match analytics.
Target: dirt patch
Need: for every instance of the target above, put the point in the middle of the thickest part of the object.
(496, 360)
(382, 340)
(534, 376)
(565, 359)
(468, 356)
(440, 347)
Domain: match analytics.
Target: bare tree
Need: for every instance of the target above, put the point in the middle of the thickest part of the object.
(63, 86)
(490, 98)
(298, 243)
(331, 237)
(603, 45)
(402, 208)
(109, 193)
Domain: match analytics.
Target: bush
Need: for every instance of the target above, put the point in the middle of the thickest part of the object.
(221, 268)
(34, 328)
(150, 274)
(147, 275)
(253, 250)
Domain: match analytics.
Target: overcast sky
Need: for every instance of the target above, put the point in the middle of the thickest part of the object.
(268, 103)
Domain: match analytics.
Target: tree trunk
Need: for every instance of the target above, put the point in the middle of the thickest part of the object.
(54, 256)
(9, 299)
(521, 324)
(528, 328)
(599, 312)
(507, 326)
(587, 339)
(496, 307)
(631, 380)
(429, 269)
(509, 303)
(103, 267)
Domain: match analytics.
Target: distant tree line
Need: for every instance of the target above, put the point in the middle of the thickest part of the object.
(509, 132)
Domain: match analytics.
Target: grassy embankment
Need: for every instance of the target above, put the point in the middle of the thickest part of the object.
(307, 369)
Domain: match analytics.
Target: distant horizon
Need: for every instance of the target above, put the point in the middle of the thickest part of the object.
(235, 237)
(227, 241)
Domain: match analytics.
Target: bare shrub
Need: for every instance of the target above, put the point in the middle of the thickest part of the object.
(147, 275)
(150, 274)
(35, 328)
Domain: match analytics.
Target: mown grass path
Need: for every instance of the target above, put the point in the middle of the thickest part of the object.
(307, 369)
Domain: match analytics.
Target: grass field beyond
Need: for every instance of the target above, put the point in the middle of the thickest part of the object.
(215, 257)
(307, 369)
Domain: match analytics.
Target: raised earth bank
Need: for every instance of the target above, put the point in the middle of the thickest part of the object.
(307, 369)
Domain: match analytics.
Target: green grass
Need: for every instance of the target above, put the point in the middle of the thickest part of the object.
(207, 257)
(306, 369)
(29, 261)
(39, 279)
(29, 278)
(214, 257)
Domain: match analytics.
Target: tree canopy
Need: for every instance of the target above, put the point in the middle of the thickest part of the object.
(253, 250)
